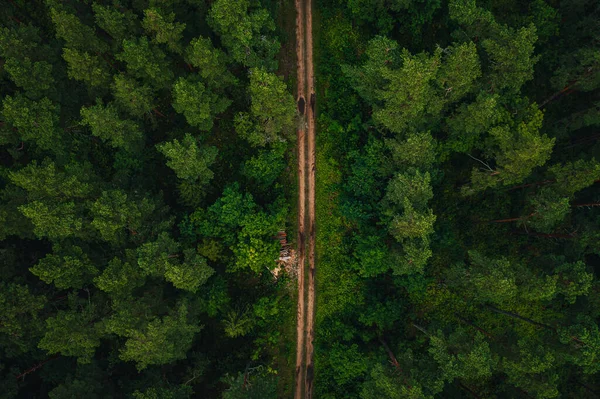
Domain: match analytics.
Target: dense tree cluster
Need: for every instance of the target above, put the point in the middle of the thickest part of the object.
(146, 167)
(142, 150)
(457, 199)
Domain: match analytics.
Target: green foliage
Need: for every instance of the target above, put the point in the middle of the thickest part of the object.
(418, 150)
(574, 280)
(459, 71)
(585, 337)
(517, 150)
(272, 111)
(104, 122)
(347, 363)
(188, 161)
(533, 371)
(58, 220)
(18, 41)
(490, 280)
(471, 121)
(238, 323)
(161, 341)
(146, 168)
(155, 257)
(48, 181)
(163, 28)
(511, 56)
(572, 177)
(76, 35)
(255, 383)
(244, 32)
(367, 80)
(67, 267)
(36, 121)
(191, 273)
(410, 93)
(462, 356)
(33, 77)
(470, 84)
(196, 103)
(73, 333)
(181, 391)
(120, 278)
(211, 62)
(87, 68)
(19, 315)
(113, 212)
(115, 22)
(264, 169)
(549, 210)
(412, 223)
(146, 62)
(134, 98)
(412, 188)
(256, 249)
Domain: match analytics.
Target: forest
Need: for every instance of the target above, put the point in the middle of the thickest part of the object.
(148, 165)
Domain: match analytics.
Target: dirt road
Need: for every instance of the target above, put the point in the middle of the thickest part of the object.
(301, 317)
(306, 194)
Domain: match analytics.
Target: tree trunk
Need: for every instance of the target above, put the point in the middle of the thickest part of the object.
(516, 316)
(571, 235)
(586, 205)
(481, 330)
(539, 183)
(393, 359)
(35, 367)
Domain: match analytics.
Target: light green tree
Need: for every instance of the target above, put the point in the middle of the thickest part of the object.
(118, 23)
(36, 121)
(191, 163)
(191, 273)
(211, 62)
(77, 35)
(57, 220)
(104, 122)
(511, 57)
(47, 180)
(87, 68)
(410, 94)
(459, 71)
(272, 110)
(459, 355)
(74, 332)
(164, 31)
(471, 121)
(155, 257)
(135, 98)
(517, 150)
(146, 61)
(35, 77)
(67, 267)
(197, 103)
(120, 278)
(244, 32)
(416, 150)
(114, 212)
(161, 341)
(19, 315)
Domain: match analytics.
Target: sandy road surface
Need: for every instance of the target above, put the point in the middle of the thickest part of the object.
(306, 194)
(310, 139)
(301, 254)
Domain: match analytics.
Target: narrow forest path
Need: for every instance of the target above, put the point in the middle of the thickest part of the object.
(306, 196)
